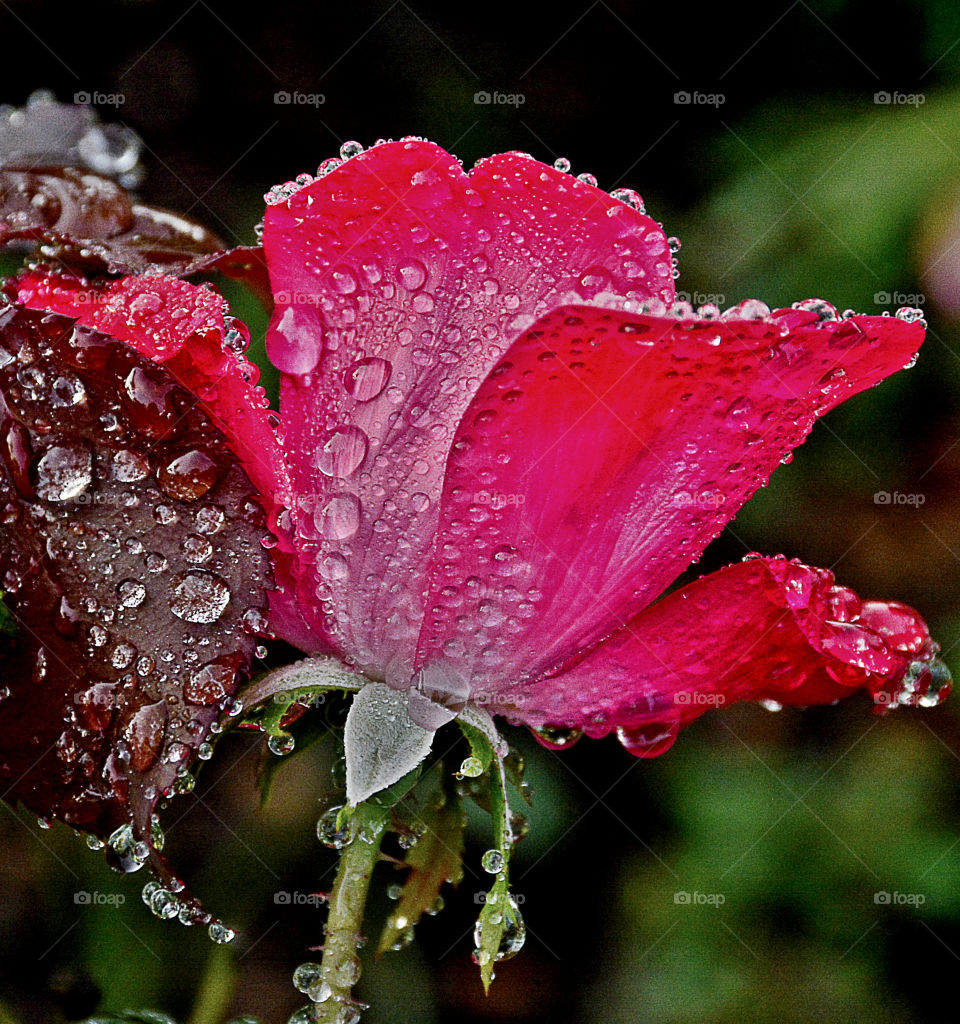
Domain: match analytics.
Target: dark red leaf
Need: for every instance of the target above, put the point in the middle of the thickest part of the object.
(131, 557)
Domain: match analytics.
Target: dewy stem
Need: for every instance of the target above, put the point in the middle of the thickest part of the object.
(340, 966)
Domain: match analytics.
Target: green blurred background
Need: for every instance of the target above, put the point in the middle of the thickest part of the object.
(798, 184)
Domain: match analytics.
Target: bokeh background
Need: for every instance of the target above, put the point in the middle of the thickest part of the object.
(786, 176)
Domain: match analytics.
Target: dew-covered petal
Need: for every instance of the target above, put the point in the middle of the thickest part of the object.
(600, 457)
(399, 282)
(765, 629)
(138, 590)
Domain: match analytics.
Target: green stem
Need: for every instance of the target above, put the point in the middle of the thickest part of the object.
(340, 966)
(216, 988)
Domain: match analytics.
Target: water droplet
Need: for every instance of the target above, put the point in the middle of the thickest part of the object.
(339, 518)
(124, 853)
(650, 739)
(911, 315)
(332, 837)
(472, 767)
(343, 452)
(281, 745)
(631, 198)
(132, 593)
(196, 549)
(556, 737)
(412, 274)
(562, 164)
(64, 472)
(367, 378)
(492, 862)
(164, 904)
(220, 933)
(198, 596)
(306, 975)
(189, 476)
(350, 149)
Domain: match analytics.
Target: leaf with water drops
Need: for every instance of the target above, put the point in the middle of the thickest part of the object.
(435, 858)
(129, 647)
(499, 930)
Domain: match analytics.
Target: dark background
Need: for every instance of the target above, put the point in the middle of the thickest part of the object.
(797, 184)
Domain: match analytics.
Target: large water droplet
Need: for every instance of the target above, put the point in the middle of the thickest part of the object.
(343, 452)
(198, 596)
(412, 274)
(339, 518)
(189, 476)
(650, 739)
(64, 472)
(367, 378)
(132, 593)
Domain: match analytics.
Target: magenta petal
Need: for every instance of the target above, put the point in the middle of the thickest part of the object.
(762, 629)
(602, 455)
(399, 283)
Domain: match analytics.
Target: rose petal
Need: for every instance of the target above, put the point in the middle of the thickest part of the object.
(603, 454)
(399, 282)
(182, 326)
(130, 555)
(761, 629)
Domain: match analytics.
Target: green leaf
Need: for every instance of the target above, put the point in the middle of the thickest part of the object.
(437, 857)
(499, 931)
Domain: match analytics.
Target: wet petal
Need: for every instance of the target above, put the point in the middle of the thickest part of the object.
(130, 556)
(399, 282)
(184, 327)
(602, 455)
(763, 629)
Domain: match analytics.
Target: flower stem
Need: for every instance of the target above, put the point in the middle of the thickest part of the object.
(339, 965)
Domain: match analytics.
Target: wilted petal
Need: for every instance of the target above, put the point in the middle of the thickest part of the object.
(131, 557)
